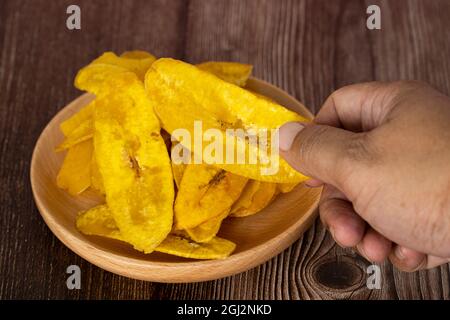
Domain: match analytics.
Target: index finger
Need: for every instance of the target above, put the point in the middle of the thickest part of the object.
(358, 107)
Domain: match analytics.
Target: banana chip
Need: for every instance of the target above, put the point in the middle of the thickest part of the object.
(136, 176)
(207, 230)
(137, 65)
(177, 171)
(131, 155)
(184, 94)
(232, 72)
(69, 125)
(286, 187)
(256, 196)
(177, 168)
(83, 132)
(135, 61)
(96, 177)
(137, 54)
(75, 172)
(205, 192)
(216, 248)
(99, 221)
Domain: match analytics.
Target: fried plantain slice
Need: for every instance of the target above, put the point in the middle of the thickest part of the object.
(139, 66)
(131, 155)
(96, 177)
(205, 192)
(183, 94)
(286, 187)
(83, 132)
(136, 61)
(177, 171)
(69, 125)
(75, 172)
(137, 177)
(246, 197)
(216, 248)
(177, 168)
(98, 221)
(137, 54)
(232, 72)
(282, 187)
(260, 195)
(207, 230)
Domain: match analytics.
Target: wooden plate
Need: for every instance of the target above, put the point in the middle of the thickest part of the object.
(258, 237)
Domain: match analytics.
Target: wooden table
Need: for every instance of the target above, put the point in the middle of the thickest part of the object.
(308, 48)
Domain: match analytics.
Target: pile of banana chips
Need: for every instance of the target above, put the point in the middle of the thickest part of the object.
(115, 146)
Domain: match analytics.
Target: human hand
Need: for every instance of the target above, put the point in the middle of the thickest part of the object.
(382, 152)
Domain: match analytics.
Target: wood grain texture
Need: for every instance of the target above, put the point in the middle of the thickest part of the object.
(308, 48)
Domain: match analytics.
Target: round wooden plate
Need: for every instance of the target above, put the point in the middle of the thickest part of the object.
(258, 237)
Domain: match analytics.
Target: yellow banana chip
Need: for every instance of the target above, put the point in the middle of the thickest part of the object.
(232, 72)
(83, 132)
(98, 221)
(282, 187)
(286, 187)
(216, 248)
(69, 125)
(207, 230)
(96, 177)
(75, 172)
(184, 94)
(136, 61)
(260, 195)
(131, 155)
(137, 54)
(103, 79)
(205, 192)
(135, 167)
(246, 197)
(177, 169)
(137, 65)
(238, 74)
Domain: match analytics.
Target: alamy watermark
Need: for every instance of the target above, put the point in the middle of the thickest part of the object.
(231, 146)
(373, 22)
(374, 277)
(74, 280)
(73, 21)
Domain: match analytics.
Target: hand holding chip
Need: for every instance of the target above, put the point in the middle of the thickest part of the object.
(382, 151)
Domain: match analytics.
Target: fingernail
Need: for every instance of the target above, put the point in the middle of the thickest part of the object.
(313, 183)
(361, 251)
(288, 132)
(332, 234)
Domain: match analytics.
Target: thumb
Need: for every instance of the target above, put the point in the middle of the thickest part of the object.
(322, 152)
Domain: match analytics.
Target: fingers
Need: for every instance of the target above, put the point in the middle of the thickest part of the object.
(349, 229)
(409, 260)
(325, 153)
(359, 107)
(313, 183)
(374, 246)
(346, 227)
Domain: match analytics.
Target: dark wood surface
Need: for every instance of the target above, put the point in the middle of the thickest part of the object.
(308, 48)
